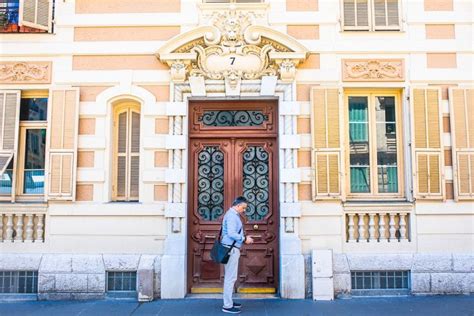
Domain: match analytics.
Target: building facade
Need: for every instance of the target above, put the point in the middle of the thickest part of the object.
(127, 128)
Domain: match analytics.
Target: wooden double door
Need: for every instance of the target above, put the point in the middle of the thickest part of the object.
(227, 159)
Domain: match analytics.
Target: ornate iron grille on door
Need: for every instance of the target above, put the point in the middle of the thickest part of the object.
(210, 183)
(256, 182)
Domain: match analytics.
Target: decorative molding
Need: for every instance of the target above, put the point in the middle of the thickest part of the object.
(232, 48)
(373, 70)
(25, 72)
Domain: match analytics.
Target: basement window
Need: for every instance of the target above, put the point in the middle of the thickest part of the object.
(380, 282)
(121, 281)
(18, 282)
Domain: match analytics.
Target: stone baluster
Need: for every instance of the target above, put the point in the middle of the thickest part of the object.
(403, 226)
(19, 227)
(1, 227)
(9, 230)
(371, 227)
(29, 228)
(39, 228)
(382, 229)
(351, 227)
(360, 227)
(391, 226)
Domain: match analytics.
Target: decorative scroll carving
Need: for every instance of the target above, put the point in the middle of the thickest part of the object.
(373, 70)
(25, 72)
(234, 48)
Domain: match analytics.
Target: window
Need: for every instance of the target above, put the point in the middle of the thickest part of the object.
(32, 150)
(26, 16)
(126, 152)
(20, 282)
(371, 15)
(374, 144)
(121, 281)
(380, 280)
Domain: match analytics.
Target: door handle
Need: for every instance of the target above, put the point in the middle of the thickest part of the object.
(255, 227)
(209, 236)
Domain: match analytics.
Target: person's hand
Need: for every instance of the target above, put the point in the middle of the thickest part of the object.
(248, 240)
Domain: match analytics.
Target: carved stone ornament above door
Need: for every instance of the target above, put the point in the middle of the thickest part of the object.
(373, 70)
(232, 47)
(13, 72)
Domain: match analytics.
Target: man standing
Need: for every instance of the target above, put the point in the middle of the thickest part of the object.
(233, 231)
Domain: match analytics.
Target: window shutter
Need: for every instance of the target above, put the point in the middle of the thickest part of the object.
(122, 155)
(37, 14)
(63, 130)
(462, 131)
(427, 143)
(386, 14)
(135, 156)
(9, 118)
(356, 15)
(326, 118)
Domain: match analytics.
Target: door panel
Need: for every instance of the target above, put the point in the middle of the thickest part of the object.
(255, 162)
(209, 198)
(233, 151)
(221, 170)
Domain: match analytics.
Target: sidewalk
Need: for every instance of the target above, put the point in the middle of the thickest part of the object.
(400, 306)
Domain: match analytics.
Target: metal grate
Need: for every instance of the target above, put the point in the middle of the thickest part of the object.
(380, 280)
(121, 281)
(23, 282)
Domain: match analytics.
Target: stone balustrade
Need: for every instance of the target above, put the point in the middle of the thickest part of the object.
(377, 226)
(22, 227)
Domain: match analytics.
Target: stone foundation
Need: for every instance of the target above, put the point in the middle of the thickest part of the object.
(82, 276)
(431, 274)
(79, 277)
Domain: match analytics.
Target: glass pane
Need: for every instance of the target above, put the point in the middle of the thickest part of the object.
(387, 172)
(210, 183)
(35, 109)
(233, 118)
(6, 179)
(34, 161)
(359, 144)
(256, 182)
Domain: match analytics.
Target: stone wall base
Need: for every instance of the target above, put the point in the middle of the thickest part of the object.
(82, 277)
(431, 274)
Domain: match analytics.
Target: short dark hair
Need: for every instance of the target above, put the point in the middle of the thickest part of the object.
(238, 200)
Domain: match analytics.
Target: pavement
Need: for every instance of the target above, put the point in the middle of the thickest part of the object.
(383, 306)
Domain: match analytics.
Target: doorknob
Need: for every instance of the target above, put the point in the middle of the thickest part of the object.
(255, 227)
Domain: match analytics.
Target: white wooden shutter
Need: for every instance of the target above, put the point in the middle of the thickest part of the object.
(462, 130)
(356, 15)
(427, 143)
(386, 14)
(63, 124)
(9, 119)
(37, 14)
(325, 130)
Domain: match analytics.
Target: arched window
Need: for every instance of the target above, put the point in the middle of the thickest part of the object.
(126, 151)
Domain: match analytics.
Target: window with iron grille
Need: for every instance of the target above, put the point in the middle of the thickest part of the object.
(380, 280)
(121, 281)
(22, 282)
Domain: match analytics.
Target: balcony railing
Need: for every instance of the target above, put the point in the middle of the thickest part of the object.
(22, 227)
(377, 226)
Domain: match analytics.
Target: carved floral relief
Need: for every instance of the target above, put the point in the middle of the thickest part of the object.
(373, 70)
(25, 72)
